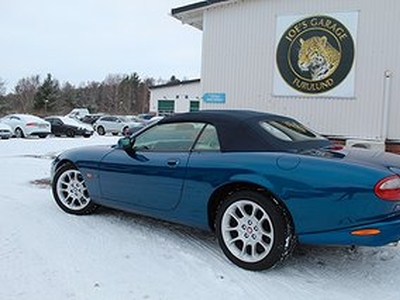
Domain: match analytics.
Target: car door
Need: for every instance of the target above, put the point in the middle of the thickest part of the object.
(114, 124)
(56, 125)
(106, 123)
(151, 175)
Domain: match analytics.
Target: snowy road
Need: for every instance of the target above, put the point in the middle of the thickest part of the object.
(47, 254)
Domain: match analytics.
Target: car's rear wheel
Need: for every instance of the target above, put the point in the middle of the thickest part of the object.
(253, 231)
(100, 130)
(70, 191)
(70, 133)
(19, 133)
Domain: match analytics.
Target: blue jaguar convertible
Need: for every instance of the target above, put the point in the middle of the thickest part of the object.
(261, 182)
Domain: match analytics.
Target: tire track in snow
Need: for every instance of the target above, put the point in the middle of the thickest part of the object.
(338, 268)
(202, 250)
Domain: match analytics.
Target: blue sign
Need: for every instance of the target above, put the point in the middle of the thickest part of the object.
(214, 98)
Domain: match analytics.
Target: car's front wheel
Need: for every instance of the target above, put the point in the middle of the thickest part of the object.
(70, 191)
(253, 231)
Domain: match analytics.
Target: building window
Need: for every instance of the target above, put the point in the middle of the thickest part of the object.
(194, 106)
(166, 107)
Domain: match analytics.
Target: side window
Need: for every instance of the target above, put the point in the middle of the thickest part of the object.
(289, 130)
(208, 140)
(174, 137)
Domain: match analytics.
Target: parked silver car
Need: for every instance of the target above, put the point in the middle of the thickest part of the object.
(114, 124)
(24, 125)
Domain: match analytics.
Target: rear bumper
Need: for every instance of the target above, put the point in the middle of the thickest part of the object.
(389, 233)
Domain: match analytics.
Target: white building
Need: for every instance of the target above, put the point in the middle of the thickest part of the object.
(177, 97)
(333, 65)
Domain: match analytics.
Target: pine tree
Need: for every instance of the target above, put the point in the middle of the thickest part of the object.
(47, 96)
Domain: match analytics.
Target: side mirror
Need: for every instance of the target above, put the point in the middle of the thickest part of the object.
(126, 143)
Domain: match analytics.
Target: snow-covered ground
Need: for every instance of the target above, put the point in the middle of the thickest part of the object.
(48, 254)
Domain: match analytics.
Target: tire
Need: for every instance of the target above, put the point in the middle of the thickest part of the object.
(70, 133)
(19, 133)
(253, 231)
(125, 131)
(100, 130)
(115, 133)
(70, 191)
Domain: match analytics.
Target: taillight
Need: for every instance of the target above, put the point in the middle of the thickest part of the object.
(31, 124)
(334, 147)
(388, 188)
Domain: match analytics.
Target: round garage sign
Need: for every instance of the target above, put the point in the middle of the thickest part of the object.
(315, 54)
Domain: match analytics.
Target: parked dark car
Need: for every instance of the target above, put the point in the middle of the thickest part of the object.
(261, 182)
(91, 118)
(69, 127)
(146, 116)
(133, 128)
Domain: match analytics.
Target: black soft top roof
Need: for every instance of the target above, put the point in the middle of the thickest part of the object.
(240, 130)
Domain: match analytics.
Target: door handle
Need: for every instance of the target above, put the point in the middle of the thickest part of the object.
(172, 163)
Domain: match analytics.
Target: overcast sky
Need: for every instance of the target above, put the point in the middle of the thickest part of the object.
(85, 40)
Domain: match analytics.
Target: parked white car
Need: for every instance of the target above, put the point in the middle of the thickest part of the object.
(23, 125)
(114, 124)
(5, 131)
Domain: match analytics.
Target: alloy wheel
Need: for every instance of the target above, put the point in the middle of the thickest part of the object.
(72, 191)
(247, 231)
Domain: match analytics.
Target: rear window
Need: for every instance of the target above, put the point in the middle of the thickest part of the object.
(289, 130)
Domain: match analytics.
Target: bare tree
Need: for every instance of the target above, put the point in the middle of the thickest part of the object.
(25, 91)
(4, 102)
(116, 94)
(3, 88)
(110, 91)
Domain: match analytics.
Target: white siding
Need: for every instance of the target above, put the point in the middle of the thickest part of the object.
(181, 94)
(239, 55)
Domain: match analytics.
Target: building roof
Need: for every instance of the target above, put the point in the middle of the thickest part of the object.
(192, 14)
(175, 83)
